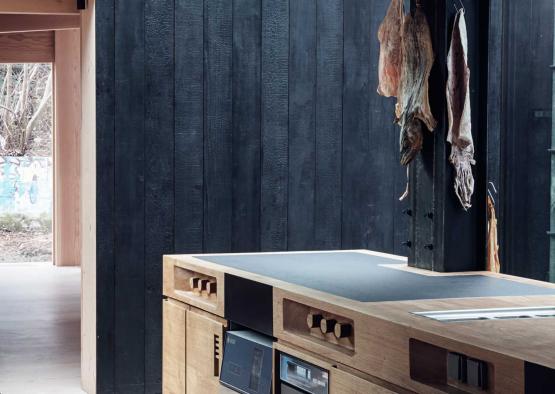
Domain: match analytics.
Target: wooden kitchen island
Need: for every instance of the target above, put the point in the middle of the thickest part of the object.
(372, 323)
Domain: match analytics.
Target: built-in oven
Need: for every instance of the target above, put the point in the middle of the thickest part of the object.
(300, 377)
(247, 362)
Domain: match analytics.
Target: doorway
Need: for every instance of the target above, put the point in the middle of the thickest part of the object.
(40, 321)
(26, 131)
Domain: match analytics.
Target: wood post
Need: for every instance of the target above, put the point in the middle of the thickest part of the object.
(67, 129)
(443, 237)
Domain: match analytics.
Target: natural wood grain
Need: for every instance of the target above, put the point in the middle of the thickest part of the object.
(33, 47)
(177, 285)
(205, 336)
(67, 148)
(39, 7)
(382, 330)
(28, 23)
(342, 381)
(173, 350)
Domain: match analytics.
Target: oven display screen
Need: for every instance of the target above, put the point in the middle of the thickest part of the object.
(256, 369)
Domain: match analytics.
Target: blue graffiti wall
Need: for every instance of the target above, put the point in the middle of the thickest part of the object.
(25, 185)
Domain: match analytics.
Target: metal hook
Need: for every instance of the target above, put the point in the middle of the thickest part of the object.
(462, 5)
(491, 197)
(489, 192)
(493, 185)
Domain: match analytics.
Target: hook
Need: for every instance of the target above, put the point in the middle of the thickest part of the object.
(491, 197)
(493, 185)
(462, 5)
(494, 190)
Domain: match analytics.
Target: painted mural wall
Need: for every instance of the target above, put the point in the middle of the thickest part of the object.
(25, 186)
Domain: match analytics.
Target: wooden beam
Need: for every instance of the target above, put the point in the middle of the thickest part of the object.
(29, 23)
(67, 128)
(35, 47)
(58, 7)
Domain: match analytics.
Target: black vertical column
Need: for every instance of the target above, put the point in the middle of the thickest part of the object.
(443, 236)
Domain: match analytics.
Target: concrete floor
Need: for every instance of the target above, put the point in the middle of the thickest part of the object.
(39, 329)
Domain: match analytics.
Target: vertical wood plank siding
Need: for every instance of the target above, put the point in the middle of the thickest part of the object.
(223, 126)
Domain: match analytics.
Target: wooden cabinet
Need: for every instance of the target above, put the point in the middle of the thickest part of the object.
(342, 382)
(174, 342)
(205, 335)
(192, 350)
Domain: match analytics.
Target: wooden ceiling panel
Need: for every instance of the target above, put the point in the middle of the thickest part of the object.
(35, 47)
(59, 7)
(27, 23)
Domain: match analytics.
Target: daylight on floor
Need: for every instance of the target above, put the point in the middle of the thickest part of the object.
(277, 196)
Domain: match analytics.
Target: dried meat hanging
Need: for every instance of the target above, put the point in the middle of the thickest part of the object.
(493, 263)
(389, 36)
(458, 109)
(413, 108)
(406, 59)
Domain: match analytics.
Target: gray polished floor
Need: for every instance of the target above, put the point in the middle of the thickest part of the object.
(39, 329)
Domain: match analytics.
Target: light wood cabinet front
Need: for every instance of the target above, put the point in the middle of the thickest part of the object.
(174, 359)
(344, 383)
(204, 340)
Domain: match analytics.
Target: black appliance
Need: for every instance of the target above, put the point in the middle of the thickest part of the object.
(299, 377)
(247, 363)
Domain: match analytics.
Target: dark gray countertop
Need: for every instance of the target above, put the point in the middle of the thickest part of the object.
(359, 276)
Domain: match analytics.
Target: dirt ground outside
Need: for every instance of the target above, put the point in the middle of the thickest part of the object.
(25, 240)
(25, 247)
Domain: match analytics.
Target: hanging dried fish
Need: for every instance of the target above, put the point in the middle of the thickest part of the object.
(493, 263)
(417, 58)
(458, 110)
(389, 35)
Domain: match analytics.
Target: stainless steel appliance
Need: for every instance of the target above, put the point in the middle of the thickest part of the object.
(297, 376)
(247, 363)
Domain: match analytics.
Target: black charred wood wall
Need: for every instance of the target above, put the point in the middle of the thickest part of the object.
(520, 92)
(444, 237)
(231, 126)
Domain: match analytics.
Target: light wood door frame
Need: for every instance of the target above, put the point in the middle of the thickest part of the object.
(86, 156)
(66, 148)
(32, 23)
(61, 48)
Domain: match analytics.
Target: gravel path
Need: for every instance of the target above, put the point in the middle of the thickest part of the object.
(25, 247)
